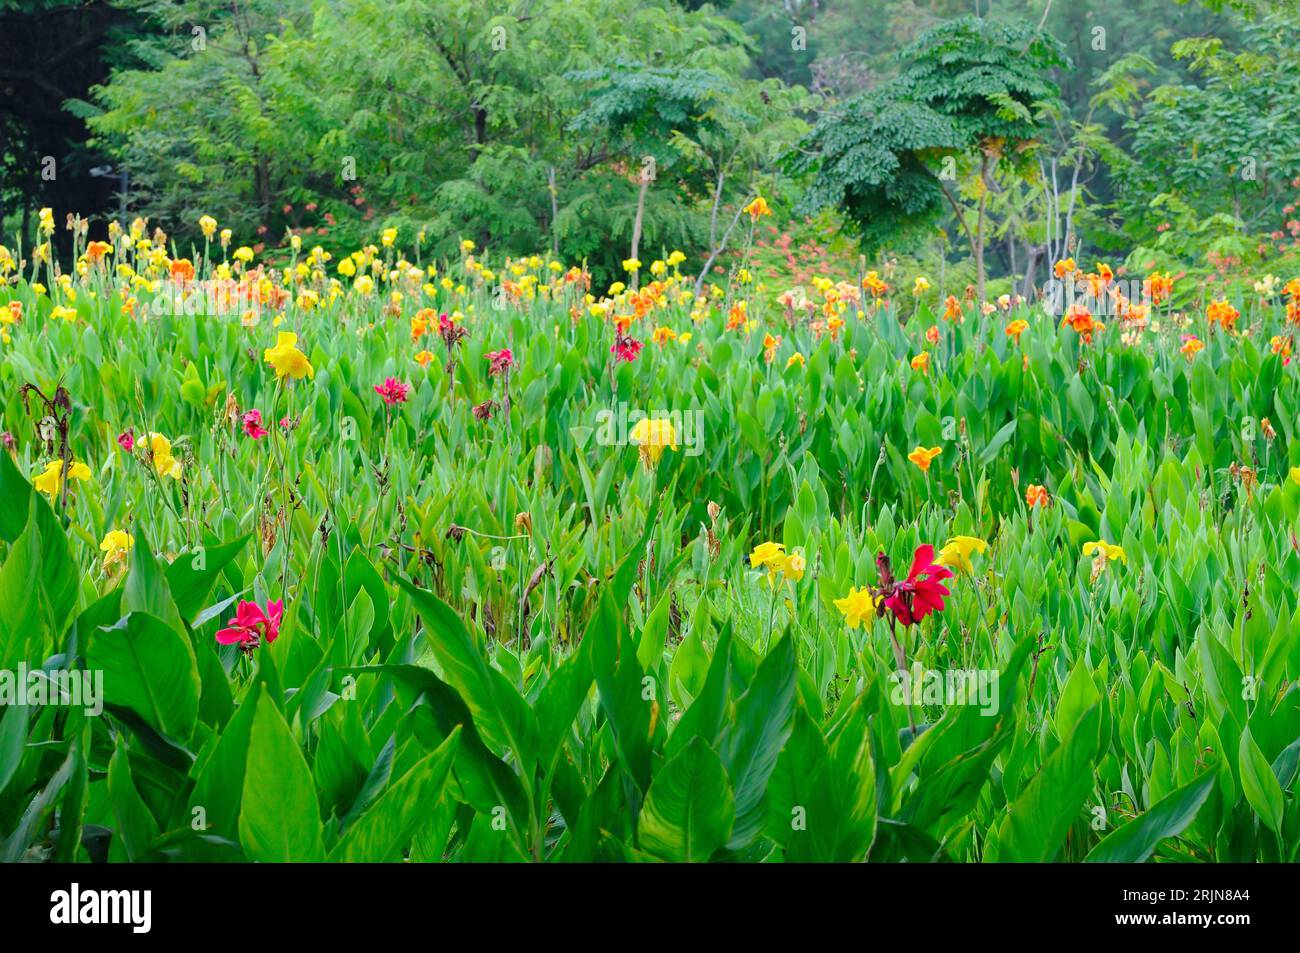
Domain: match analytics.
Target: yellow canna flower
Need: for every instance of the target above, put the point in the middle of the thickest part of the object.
(1111, 550)
(652, 436)
(115, 546)
(765, 553)
(287, 359)
(1295, 474)
(956, 553)
(50, 480)
(208, 226)
(857, 606)
(164, 463)
(790, 567)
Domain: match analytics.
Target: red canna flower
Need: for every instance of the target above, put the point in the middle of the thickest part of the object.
(625, 348)
(921, 593)
(450, 331)
(484, 410)
(501, 361)
(253, 425)
(393, 391)
(253, 625)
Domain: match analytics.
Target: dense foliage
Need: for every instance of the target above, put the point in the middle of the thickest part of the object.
(382, 561)
(634, 430)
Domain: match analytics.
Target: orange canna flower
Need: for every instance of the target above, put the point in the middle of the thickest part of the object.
(1081, 319)
(1223, 314)
(873, 284)
(182, 270)
(923, 457)
(663, 334)
(96, 251)
(1158, 287)
(952, 310)
(1036, 495)
(1017, 328)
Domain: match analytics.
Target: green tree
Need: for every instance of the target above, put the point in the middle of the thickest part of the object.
(971, 94)
(1228, 144)
(455, 119)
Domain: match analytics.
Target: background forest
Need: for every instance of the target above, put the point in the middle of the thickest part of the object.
(1151, 132)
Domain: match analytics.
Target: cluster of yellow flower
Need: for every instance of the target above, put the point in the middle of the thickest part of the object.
(773, 557)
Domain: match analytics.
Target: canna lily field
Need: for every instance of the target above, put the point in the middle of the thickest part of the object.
(376, 558)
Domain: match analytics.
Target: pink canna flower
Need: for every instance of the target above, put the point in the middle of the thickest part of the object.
(252, 625)
(126, 439)
(501, 361)
(253, 425)
(393, 391)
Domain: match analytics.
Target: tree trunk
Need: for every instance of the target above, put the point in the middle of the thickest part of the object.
(1034, 253)
(646, 176)
(979, 234)
(555, 210)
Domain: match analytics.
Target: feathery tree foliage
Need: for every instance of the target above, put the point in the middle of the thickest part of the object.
(971, 90)
(461, 119)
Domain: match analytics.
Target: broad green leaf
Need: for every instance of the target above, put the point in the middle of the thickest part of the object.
(1135, 841)
(501, 715)
(190, 575)
(1048, 806)
(1259, 783)
(389, 824)
(754, 739)
(689, 809)
(149, 667)
(135, 825)
(279, 819)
